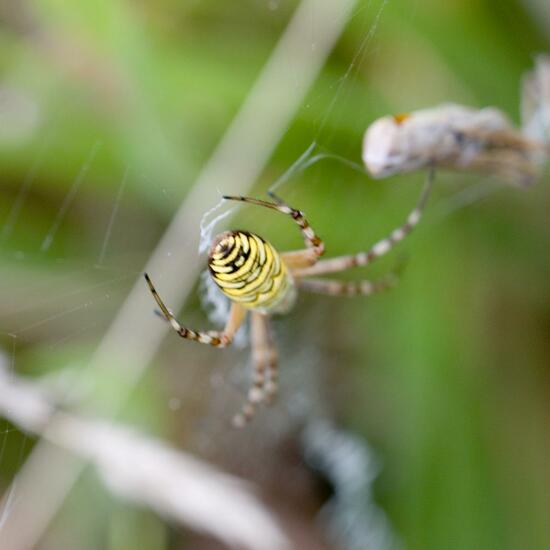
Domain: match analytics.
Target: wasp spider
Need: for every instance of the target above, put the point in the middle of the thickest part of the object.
(259, 280)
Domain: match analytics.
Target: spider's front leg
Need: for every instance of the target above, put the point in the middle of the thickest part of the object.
(315, 247)
(382, 247)
(219, 339)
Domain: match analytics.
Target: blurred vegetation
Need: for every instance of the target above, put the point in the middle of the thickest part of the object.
(448, 376)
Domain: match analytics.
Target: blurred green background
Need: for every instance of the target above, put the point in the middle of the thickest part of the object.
(447, 376)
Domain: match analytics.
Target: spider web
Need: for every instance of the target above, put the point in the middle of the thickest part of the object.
(58, 313)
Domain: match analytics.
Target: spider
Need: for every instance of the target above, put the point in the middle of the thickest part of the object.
(258, 279)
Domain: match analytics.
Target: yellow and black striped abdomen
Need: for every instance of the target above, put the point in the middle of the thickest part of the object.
(250, 271)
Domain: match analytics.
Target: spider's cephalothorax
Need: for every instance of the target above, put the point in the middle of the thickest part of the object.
(250, 271)
(259, 280)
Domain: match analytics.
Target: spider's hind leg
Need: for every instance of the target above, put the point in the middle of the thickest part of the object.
(333, 287)
(264, 358)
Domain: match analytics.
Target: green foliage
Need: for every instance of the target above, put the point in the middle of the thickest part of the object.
(451, 376)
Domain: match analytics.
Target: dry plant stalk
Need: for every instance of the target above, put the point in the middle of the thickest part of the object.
(147, 471)
(237, 161)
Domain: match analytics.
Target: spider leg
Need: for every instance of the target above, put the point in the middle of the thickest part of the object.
(315, 247)
(272, 371)
(218, 339)
(332, 287)
(382, 247)
(263, 356)
(297, 259)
